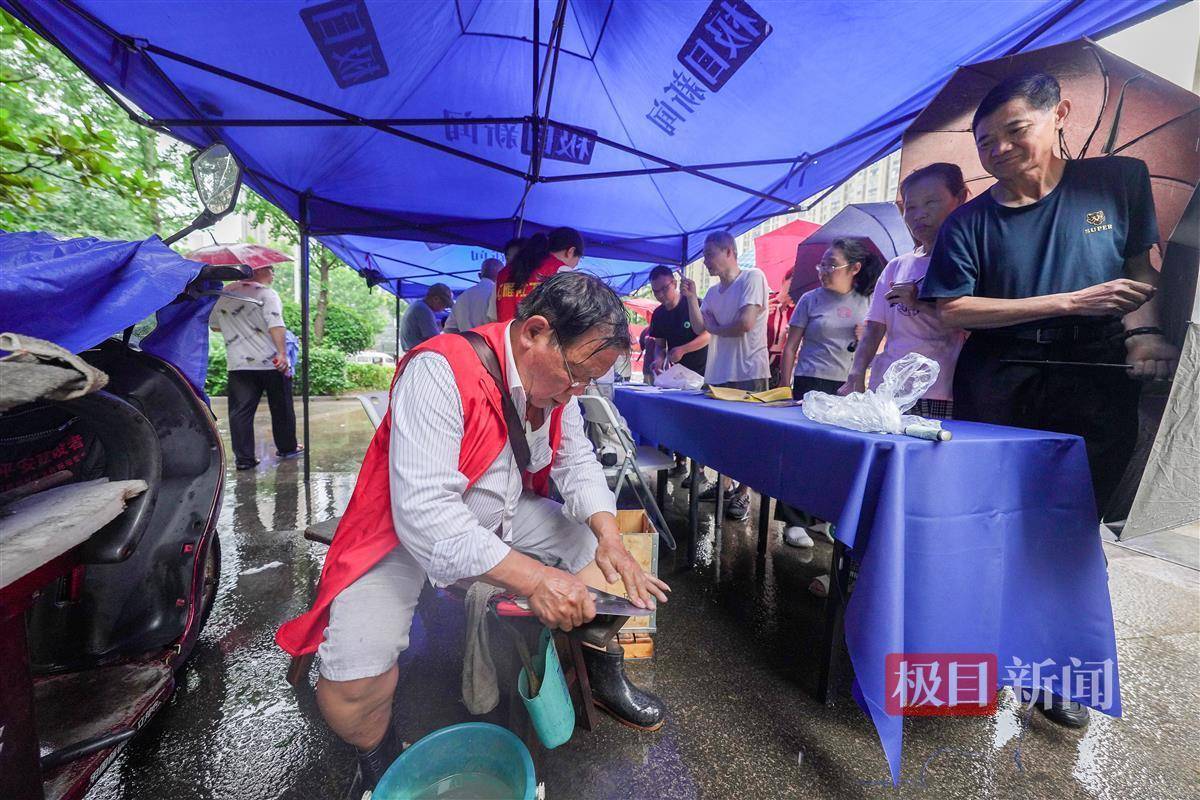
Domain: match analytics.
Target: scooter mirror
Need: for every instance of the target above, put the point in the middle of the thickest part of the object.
(218, 179)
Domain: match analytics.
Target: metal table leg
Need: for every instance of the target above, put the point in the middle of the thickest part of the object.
(834, 623)
(694, 510)
(764, 522)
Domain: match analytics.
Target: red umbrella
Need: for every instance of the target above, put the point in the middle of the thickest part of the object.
(776, 252)
(1117, 108)
(252, 255)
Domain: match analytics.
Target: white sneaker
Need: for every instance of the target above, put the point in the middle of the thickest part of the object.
(819, 586)
(797, 537)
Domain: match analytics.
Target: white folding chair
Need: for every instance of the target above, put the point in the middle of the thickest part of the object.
(635, 464)
(375, 404)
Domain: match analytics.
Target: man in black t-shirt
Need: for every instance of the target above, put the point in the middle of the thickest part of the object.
(1052, 265)
(670, 321)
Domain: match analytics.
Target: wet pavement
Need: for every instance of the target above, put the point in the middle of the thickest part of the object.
(736, 660)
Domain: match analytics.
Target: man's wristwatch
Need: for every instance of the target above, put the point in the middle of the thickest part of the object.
(1148, 331)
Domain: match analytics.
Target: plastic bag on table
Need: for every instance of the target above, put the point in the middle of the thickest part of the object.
(880, 410)
(677, 376)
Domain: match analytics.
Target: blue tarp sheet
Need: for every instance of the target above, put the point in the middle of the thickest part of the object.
(78, 292)
(418, 265)
(650, 101)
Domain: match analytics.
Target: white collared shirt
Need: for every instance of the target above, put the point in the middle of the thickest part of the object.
(448, 528)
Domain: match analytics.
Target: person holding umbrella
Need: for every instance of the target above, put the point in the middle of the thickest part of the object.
(249, 315)
(1050, 270)
(910, 326)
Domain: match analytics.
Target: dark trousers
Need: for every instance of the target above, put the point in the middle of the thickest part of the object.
(1098, 403)
(794, 517)
(246, 387)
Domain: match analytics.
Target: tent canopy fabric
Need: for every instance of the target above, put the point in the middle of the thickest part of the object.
(410, 268)
(437, 120)
(776, 252)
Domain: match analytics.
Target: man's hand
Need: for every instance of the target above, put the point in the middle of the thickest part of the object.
(616, 563)
(675, 354)
(1152, 357)
(560, 600)
(1112, 299)
(856, 382)
(281, 363)
(687, 287)
(904, 294)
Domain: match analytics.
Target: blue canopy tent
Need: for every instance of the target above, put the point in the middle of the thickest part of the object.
(407, 269)
(469, 121)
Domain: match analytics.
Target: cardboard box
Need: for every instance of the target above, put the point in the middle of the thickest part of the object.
(642, 542)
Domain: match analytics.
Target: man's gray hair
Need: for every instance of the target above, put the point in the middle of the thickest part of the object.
(575, 303)
(723, 240)
(439, 290)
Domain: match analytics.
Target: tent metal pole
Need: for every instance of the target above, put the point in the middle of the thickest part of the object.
(304, 330)
(398, 282)
(683, 259)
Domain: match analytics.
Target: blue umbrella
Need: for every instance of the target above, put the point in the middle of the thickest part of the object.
(881, 224)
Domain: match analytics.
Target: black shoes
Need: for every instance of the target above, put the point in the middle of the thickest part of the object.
(613, 693)
(737, 507)
(1063, 712)
(709, 495)
(299, 451)
(242, 466)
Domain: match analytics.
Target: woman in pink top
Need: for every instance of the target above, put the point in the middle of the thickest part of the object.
(911, 326)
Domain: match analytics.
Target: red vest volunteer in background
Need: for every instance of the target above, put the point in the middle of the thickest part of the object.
(542, 256)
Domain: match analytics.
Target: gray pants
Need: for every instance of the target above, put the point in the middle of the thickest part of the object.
(370, 619)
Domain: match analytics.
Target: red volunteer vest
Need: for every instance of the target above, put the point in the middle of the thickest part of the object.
(509, 295)
(366, 534)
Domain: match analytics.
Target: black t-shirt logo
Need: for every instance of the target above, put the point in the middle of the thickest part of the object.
(1095, 218)
(687, 324)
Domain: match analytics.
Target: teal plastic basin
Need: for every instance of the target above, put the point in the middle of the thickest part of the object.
(471, 761)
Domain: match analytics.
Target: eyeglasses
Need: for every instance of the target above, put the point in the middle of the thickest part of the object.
(573, 384)
(829, 269)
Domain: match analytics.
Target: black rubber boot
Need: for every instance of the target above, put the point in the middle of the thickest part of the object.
(614, 693)
(374, 762)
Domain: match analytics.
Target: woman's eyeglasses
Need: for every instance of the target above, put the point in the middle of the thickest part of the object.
(829, 269)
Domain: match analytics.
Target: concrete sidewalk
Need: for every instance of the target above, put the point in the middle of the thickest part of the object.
(735, 661)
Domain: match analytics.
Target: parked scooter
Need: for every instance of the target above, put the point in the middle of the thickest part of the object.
(95, 636)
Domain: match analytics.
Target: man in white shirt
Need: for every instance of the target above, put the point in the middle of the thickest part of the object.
(251, 321)
(431, 480)
(471, 307)
(734, 313)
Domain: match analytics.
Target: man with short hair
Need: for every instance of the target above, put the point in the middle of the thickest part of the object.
(449, 491)
(420, 318)
(471, 308)
(1052, 265)
(250, 318)
(672, 323)
(734, 313)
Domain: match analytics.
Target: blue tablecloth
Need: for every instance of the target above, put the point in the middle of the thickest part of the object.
(984, 544)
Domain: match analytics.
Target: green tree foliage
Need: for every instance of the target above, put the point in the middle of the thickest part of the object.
(327, 371)
(345, 329)
(216, 383)
(70, 160)
(369, 377)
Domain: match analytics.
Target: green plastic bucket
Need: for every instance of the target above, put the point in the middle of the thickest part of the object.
(473, 760)
(551, 711)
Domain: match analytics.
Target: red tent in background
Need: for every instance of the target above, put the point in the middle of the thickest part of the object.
(775, 252)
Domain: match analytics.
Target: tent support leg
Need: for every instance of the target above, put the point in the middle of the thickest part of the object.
(304, 330)
(397, 320)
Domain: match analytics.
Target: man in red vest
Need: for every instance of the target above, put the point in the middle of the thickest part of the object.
(442, 496)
